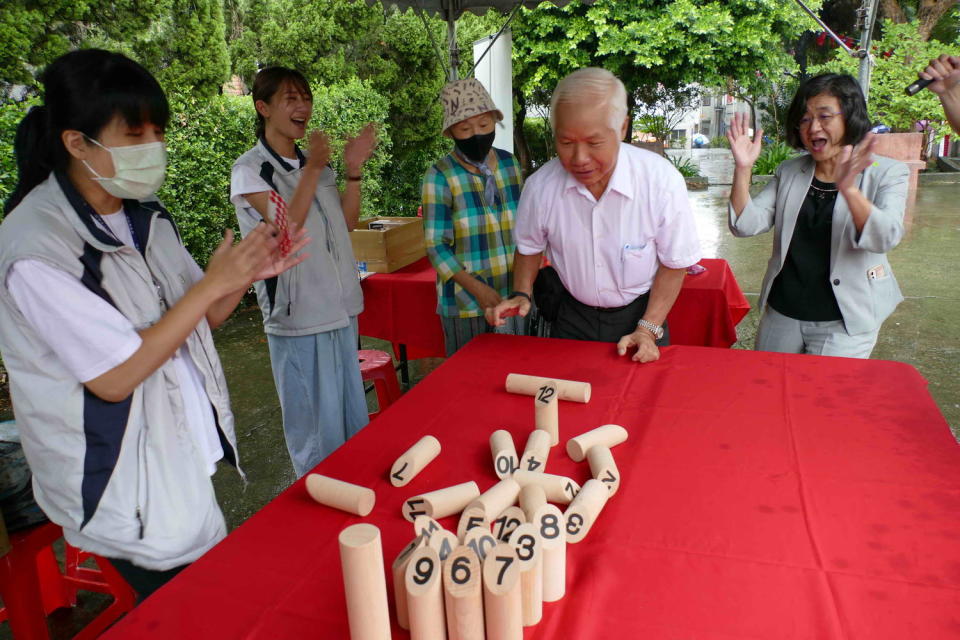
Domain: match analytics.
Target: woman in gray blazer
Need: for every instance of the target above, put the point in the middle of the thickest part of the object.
(836, 211)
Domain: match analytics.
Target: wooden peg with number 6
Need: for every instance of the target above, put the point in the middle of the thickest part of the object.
(463, 594)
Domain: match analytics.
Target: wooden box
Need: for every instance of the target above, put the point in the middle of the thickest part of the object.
(393, 247)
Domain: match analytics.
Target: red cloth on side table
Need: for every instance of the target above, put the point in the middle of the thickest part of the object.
(763, 496)
(402, 307)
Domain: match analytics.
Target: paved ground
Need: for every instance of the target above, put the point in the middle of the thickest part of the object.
(923, 332)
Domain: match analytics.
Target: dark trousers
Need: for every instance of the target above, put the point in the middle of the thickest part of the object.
(577, 321)
(144, 581)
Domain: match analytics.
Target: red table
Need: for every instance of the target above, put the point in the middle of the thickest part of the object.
(402, 307)
(763, 496)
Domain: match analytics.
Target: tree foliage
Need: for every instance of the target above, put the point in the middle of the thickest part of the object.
(35, 33)
(899, 54)
(652, 43)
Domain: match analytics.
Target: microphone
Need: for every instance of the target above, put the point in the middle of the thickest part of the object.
(918, 85)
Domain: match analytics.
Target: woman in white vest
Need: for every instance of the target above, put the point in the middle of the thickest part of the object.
(309, 313)
(105, 324)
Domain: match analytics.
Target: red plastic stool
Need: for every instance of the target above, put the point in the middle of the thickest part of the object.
(32, 586)
(378, 367)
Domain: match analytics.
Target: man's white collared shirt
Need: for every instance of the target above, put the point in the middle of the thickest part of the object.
(607, 251)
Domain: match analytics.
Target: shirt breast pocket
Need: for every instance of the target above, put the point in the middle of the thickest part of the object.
(638, 263)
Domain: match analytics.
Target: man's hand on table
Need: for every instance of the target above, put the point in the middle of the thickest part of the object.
(517, 305)
(645, 343)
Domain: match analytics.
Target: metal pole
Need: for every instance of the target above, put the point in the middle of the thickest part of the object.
(454, 49)
(866, 37)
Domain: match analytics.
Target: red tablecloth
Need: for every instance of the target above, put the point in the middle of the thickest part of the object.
(402, 307)
(763, 496)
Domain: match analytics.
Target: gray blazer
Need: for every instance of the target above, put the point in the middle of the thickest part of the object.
(866, 291)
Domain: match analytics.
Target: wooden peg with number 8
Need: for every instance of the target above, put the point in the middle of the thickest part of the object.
(550, 525)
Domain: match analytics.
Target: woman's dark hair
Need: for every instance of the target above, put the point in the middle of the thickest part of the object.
(852, 105)
(83, 90)
(269, 81)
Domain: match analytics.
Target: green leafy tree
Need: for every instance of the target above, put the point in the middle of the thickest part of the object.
(187, 48)
(34, 33)
(650, 43)
(898, 54)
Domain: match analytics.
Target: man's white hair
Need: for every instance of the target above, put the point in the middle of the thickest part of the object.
(591, 86)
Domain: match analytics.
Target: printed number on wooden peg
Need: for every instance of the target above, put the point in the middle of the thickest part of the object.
(509, 520)
(505, 562)
(423, 570)
(571, 490)
(575, 523)
(413, 508)
(525, 546)
(549, 526)
(460, 570)
(544, 394)
(609, 479)
(398, 474)
(426, 526)
(506, 465)
(443, 542)
(480, 541)
(471, 518)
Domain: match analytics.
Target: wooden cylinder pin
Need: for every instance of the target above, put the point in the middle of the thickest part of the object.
(583, 512)
(474, 516)
(570, 390)
(559, 489)
(414, 460)
(529, 549)
(399, 569)
(609, 435)
(536, 452)
(443, 542)
(503, 606)
(341, 495)
(463, 594)
(498, 497)
(442, 502)
(550, 526)
(532, 497)
(504, 453)
(604, 468)
(361, 558)
(424, 584)
(480, 541)
(504, 524)
(547, 410)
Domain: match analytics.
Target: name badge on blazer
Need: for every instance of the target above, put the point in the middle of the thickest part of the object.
(877, 272)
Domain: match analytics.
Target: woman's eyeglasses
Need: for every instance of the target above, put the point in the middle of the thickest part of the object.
(823, 118)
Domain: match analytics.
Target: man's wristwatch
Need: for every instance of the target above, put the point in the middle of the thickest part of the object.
(655, 329)
(521, 294)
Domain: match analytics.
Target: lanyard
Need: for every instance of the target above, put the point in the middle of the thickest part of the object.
(133, 232)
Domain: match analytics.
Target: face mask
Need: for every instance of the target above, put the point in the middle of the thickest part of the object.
(476, 147)
(139, 170)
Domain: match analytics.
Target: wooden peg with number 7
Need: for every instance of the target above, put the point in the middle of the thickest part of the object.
(414, 460)
(503, 606)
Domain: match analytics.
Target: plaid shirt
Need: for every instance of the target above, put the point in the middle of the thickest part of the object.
(465, 232)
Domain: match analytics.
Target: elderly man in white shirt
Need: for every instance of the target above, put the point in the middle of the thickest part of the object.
(613, 219)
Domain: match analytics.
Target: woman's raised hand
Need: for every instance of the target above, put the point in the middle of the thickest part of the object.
(745, 151)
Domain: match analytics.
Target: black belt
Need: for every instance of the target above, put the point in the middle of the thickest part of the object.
(609, 309)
